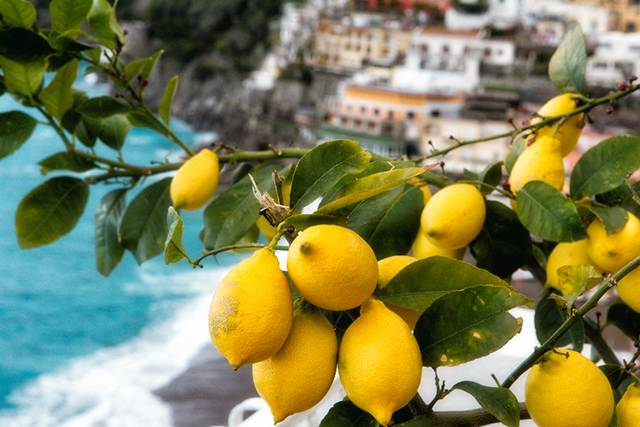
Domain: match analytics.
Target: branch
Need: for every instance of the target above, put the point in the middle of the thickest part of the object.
(599, 343)
(196, 262)
(602, 289)
(473, 417)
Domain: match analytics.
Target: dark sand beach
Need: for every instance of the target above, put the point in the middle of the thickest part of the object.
(205, 392)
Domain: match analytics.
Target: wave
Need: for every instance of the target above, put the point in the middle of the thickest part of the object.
(114, 386)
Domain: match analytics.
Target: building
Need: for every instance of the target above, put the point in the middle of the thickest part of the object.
(624, 15)
(616, 58)
(449, 61)
(358, 41)
(550, 19)
(478, 14)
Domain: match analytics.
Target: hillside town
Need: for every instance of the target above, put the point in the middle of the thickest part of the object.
(417, 74)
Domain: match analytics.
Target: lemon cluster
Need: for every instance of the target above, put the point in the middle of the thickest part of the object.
(295, 352)
(542, 160)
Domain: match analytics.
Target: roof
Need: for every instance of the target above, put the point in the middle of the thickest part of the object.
(333, 132)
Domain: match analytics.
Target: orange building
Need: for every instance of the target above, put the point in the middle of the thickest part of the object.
(624, 15)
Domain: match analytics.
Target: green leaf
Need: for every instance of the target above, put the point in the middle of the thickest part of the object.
(323, 167)
(20, 45)
(370, 186)
(625, 319)
(109, 251)
(22, 78)
(604, 166)
(142, 121)
(389, 222)
(517, 147)
(50, 211)
(18, 13)
(498, 401)
(490, 176)
(424, 281)
(548, 214)
(144, 225)
(104, 23)
(232, 213)
(619, 379)
(103, 106)
(346, 414)
(167, 98)
(370, 168)
(503, 245)
(567, 65)
(68, 14)
(142, 67)
(65, 160)
(573, 280)
(301, 221)
(15, 129)
(613, 218)
(468, 324)
(174, 250)
(549, 316)
(58, 96)
(112, 131)
(624, 196)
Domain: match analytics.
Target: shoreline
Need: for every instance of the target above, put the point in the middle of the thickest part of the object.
(204, 393)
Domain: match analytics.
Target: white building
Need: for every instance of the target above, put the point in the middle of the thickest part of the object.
(550, 19)
(616, 58)
(449, 61)
(477, 14)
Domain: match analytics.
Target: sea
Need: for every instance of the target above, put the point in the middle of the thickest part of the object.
(77, 349)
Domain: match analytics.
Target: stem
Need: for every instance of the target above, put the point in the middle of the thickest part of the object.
(602, 289)
(56, 127)
(196, 262)
(473, 417)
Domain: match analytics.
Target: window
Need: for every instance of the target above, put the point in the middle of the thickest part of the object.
(487, 52)
(445, 48)
(390, 115)
(435, 113)
(411, 115)
(363, 109)
(424, 48)
(376, 111)
(630, 27)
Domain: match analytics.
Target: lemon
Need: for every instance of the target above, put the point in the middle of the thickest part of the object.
(541, 161)
(610, 252)
(628, 409)
(629, 290)
(379, 362)
(423, 248)
(196, 181)
(387, 270)
(251, 311)
(332, 267)
(298, 376)
(570, 130)
(565, 389)
(566, 253)
(454, 216)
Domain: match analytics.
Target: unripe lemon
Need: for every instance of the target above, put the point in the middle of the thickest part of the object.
(565, 389)
(379, 362)
(566, 253)
(541, 161)
(569, 132)
(196, 181)
(298, 376)
(387, 270)
(332, 267)
(628, 409)
(610, 252)
(454, 216)
(251, 311)
(629, 290)
(423, 248)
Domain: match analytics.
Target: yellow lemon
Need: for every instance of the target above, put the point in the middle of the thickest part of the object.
(251, 311)
(629, 290)
(387, 270)
(628, 409)
(565, 389)
(196, 181)
(332, 267)
(298, 376)
(569, 132)
(542, 161)
(423, 248)
(566, 253)
(610, 252)
(454, 216)
(379, 362)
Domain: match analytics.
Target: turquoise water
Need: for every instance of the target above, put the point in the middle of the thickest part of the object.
(61, 322)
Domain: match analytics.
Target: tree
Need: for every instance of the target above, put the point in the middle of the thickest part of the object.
(379, 198)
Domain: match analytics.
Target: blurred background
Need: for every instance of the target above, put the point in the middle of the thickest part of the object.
(399, 76)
